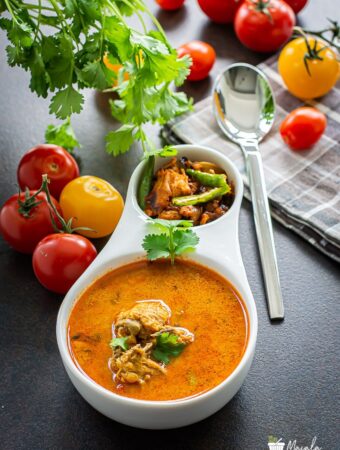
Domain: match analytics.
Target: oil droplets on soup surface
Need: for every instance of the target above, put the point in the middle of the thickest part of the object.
(200, 300)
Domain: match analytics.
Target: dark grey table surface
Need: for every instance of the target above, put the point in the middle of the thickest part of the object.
(291, 391)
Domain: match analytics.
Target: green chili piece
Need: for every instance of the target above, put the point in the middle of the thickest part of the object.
(208, 179)
(201, 198)
(146, 181)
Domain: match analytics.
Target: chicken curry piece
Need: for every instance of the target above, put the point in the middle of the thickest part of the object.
(195, 301)
(135, 339)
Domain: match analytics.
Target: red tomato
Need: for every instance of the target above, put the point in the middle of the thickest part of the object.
(203, 58)
(60, 259)
(264, 26)
(56, 162)
(303, 127)
(23, 228)
(170, 5)
(296, 5)
(220, 11)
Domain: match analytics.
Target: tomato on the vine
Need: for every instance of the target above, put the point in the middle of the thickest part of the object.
(48, 159)
(220, 11)
(297, 5)
(170, 5)
(25, 219)
(203, 58)
(264, 25)
(308, 67)
(303, 127)
(93, 203)
(59, 260)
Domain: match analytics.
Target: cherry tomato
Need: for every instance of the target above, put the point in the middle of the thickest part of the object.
(51, 159)
(297, 5)
(220, 11)
(60, 259)
(170, 5)
(94, 203)
(321, 75)
(203, 58)
(303, 127)
(264, 26)
(23, 226)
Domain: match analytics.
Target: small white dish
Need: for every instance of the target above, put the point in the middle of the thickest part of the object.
(219, 250)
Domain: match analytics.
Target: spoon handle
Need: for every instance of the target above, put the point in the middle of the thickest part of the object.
(264, 231)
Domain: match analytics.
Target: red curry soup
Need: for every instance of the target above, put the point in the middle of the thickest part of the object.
(153, 331)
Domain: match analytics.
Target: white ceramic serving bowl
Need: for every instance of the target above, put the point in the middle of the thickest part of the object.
(219, 250)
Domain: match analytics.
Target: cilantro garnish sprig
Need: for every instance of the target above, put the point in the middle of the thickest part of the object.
(62, 43)
(174, 239)
(167, 346)
(121, 342)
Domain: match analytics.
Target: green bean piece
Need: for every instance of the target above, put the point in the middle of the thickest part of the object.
(208, 179)
(146, 181)
(201, 198)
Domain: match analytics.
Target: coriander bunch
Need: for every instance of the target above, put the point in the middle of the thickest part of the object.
(62, 44)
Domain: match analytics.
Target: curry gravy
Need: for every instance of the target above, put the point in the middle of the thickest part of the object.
(200, 300)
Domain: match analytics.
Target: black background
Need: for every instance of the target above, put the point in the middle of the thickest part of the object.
(291, 389)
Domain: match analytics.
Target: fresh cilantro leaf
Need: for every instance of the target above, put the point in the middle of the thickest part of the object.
(16, 56)
(184, 241)
(49, 48)
(63, 48)
(62, 135)
(66, 102)
(119, 141)
(38, 81)
(174, 240)
(21, 34)
(165, 152)
(5, 24)
(167, 346)
(183, 68)
(166, 224)
(96, 74)
(156, 246)
(120, 342)
(118, 109)
(118, 35)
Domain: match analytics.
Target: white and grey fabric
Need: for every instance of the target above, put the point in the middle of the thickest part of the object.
(303, 187)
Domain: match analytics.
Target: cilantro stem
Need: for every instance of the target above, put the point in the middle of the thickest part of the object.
(41, 7)
(38, 22)
(144, 8)
(140, 17)
(10, 10)
(171, 245)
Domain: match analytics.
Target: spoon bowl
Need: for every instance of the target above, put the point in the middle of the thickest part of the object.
(244, 104)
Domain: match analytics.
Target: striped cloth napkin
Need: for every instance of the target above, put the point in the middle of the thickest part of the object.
(303, 187)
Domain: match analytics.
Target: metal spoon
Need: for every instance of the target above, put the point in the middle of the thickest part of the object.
(244, 108)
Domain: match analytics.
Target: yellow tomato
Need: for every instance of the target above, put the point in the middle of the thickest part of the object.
(323, 73)
(115, 68)
(93, 203)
